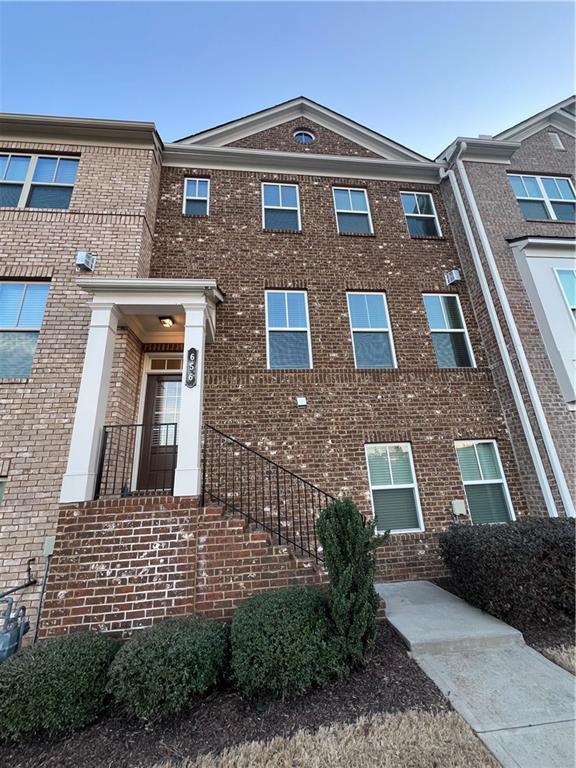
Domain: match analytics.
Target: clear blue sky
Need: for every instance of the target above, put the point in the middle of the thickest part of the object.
(421, 73)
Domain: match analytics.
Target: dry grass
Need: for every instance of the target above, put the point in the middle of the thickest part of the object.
(565, 656)
(406, 740)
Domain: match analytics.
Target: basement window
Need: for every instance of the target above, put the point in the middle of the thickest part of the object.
(22, 308)
(196, 197)
(486, 489)
(395, 498)
(545, 197)
(34, 181)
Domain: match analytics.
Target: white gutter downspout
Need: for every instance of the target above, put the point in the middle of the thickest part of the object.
(500, 340)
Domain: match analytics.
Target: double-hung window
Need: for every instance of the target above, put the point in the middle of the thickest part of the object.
(484, 483)
(352, 211)
(287, 329)
(196, 197)
(280, 207)
(34, 181)
(420, 214)
(395, 498)
(545, 197)
(448, 329)
(21, 313)
(567, 279)
(2, 487)
(371, 335)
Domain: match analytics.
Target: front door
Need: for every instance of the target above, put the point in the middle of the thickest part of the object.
(159, 433)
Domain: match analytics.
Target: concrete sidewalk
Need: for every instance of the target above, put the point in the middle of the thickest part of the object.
(520, 704)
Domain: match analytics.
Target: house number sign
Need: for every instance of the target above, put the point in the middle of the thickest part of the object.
(191, 367)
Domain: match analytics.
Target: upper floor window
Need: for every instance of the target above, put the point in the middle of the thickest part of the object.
(287, 329)
(34, 181)
(545, 197)
(484, 482)
(352, 211)
(21, 313)
(280, 207)
(449, 333)
(304, 137)
(395, 498)
(196, 197)
(420, 214)
(567, 278)
(371, 336)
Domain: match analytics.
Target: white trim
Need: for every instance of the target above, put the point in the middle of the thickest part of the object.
(303, 132)
(544, 198)
(388, 330)
(421, 215)
(351, 210)
(571, 308)
(287, 329)
(555, 115)
(187, 197)
(413, 485)
(463, 330)
(500, 481)
(279, 207)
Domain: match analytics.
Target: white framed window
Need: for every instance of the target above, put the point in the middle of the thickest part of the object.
(37, 181)
(196, 197)
(567, 280)
(371, 334)
(545, 197)
(22, 308)
(280, 207)
(395, 498)
(288, 330)
(484, 482)
(448, 329)
(420, 213)
(352, 211)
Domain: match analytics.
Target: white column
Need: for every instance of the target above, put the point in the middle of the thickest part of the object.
(83, 458)
(188, 475)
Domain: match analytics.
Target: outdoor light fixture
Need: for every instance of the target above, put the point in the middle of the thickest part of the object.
(167, 322)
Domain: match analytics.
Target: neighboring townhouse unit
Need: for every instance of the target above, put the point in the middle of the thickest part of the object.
(283, 310)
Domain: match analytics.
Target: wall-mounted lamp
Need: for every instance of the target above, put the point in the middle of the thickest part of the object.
(166, 322)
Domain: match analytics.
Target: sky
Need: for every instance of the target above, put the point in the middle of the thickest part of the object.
(420, 73)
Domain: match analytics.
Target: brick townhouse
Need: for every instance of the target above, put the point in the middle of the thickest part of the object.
(281, 310)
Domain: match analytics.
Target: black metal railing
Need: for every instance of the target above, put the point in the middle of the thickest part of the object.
(137, 459)
(249, 484)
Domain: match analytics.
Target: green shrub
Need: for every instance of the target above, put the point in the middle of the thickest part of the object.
(522, 572)
(55, 685)
(348, 543)
(282, 643)
(164, 668)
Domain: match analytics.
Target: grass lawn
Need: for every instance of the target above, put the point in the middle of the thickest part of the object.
(564, 656)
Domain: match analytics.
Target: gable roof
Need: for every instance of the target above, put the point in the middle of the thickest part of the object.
(305, 108)
(560, 115)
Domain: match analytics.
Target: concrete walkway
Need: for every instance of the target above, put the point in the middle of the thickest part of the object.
(519, 703)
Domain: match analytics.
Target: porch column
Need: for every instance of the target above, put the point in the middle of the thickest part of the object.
(188, 475)
(80, 478)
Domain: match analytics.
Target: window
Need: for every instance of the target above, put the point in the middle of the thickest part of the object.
(484, 483)
(31, 181)
(280, 207)
(395, 497)
(371, 336)
(545, 197)
(352, 211)
(21, 312)
(196, 197)
(420, 214)
(2, 488)
(304, 137)
(567, 278)
(449, 334)
(287, 330)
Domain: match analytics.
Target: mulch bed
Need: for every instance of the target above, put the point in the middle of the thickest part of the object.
(390, 682)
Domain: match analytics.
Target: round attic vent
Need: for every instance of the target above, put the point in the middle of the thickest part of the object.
(304, 137)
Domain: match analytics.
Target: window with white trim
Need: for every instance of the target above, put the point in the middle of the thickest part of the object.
(567, 279)
(484, 482)
(22, 308)
(352, 211)
(196, 197)
(448, 329)
(287, 330)
(420, 213)
(371, 334)
(395, 499)
(36, 181)
(280, 207)
(545, 197)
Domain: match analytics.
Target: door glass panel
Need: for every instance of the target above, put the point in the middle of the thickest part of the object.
(166, 412)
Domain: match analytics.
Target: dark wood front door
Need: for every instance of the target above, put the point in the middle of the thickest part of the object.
(159, 433)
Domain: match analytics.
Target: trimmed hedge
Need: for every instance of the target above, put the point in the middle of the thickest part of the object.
(164, 668)
(55, 686)
(522, 572)
(283, 643)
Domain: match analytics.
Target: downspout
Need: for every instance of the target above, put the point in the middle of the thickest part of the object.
(501, 342)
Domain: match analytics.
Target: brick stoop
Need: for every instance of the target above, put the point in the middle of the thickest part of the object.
(121, 564)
